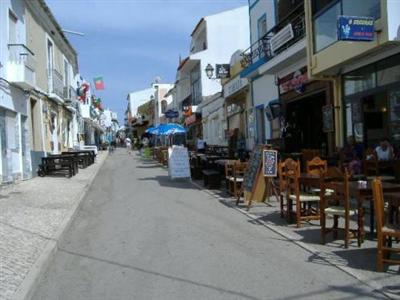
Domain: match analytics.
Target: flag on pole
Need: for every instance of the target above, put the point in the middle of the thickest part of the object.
(98, 83)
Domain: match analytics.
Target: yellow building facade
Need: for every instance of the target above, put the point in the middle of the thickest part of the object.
(365, 74)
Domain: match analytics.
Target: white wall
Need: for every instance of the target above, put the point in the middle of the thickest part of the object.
(256, 12)
(138, 98)
(215, 122)
(264, 91)
(226, 32)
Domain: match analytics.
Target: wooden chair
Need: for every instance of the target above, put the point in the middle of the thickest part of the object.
(229, 176)
(316, 166)
(283, 186)
(385, 232)
(337, 204)
(308, 154)
(239, 168)
(304, 202)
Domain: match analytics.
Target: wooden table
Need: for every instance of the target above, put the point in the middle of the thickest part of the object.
(59, 162)
(364, 193)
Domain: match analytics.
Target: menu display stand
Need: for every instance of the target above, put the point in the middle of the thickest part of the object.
(178, 162)
(257, 183)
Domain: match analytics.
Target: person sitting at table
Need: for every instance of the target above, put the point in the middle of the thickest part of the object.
(384, 151)
(352, 159)
(200, 144)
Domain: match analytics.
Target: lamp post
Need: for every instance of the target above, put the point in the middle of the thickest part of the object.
(209, 71)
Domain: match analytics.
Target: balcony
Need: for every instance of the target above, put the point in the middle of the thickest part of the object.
(283, 45)
(21, 66)
(56, 85)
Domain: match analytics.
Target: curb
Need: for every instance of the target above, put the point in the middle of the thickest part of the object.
(349, 271)
(28, 286)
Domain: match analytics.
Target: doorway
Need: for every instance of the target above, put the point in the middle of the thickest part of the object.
(305, 126)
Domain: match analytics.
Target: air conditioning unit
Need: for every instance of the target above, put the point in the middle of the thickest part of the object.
(281, 37)
(66, 93)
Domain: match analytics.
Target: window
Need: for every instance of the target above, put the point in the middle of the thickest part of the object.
(50, 64)
(12, 28)
(195, 80)
(359, 80)
(369, 8)
(66, 73)
(164, 106)
(326, 12)
(262, 26)
(325, 28)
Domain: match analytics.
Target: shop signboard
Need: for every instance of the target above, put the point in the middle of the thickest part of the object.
(178, 162)
(270, 163)
(222, 70)
(354, 28)
(235, 85)
(253, 168)
(327, 118)
(170, 114)
(294, 81)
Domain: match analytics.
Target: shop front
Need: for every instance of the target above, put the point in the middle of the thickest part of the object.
(307, 108)
(371, 97)
(237, 100)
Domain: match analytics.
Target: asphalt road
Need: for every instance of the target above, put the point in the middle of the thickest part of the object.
(140, 235)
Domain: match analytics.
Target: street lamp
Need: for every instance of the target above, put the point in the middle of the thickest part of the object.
(209, 71)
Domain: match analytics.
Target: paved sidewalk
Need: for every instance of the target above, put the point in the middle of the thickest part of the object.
(33, 216)
(357, 262)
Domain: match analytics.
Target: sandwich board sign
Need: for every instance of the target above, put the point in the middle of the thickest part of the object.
(178, 162)
(270, 163)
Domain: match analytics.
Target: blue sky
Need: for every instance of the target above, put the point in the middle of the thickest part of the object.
(130, 42)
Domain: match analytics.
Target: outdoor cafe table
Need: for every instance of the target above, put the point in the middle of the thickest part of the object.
(364, 193)
(57, 159)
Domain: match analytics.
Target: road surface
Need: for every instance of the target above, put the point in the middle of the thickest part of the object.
(139, 235)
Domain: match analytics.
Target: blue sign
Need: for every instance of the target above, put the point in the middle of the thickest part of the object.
(170, 114)
(352, 28)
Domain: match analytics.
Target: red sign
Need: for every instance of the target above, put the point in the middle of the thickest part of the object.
(293, 81)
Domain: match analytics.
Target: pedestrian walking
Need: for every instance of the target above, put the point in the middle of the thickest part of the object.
(128, 144)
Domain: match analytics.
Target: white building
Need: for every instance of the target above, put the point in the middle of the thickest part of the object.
(161, 101)
(213, 41)
(17, 74)
(137, 98)
(214, 120)
(263, 87)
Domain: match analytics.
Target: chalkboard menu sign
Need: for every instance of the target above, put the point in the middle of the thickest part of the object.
(253, 168)
(178, 162)
(270, 163)
(327, 118)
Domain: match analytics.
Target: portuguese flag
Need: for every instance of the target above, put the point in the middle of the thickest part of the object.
(98, 83)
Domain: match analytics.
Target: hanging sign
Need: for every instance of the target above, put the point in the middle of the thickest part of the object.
(170, 114)
(294, 81)
(222, 70)
(327, 118)
(270, 163)
(351, 28)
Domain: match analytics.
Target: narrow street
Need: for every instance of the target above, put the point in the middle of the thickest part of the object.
(140, 235)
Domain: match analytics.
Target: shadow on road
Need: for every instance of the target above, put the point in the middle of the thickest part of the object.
(166, 181)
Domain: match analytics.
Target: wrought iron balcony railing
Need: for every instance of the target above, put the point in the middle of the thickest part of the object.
(282, 36)
(56, 83)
